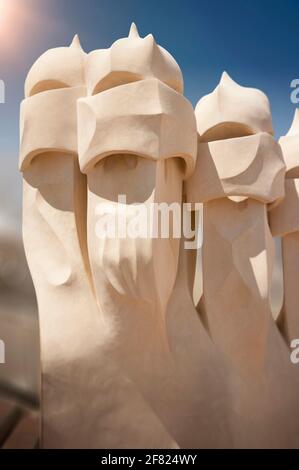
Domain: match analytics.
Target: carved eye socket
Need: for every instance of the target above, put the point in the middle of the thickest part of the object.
(121, 174)
(115, 79)
(127, 161)
(47, 85)
(226, 130)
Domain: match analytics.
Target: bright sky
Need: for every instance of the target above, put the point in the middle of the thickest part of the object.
(256, 42)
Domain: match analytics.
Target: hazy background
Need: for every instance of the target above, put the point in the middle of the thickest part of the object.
(256, 42)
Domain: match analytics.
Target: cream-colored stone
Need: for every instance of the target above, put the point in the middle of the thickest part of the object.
(232, 110)
(236, 175)
(249, 167)
(249, 171)
(57, 68)
(140, 140)
(289, 144)
(131, 59)
(238, 247)
(284, 222)
(146, 118)
(283, 218)
(56, 131)
(82, 391)
(127, 359)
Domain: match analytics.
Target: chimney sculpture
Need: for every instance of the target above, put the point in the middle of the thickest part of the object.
(102, 302)
(136, 138)
(239, 171)
(132, 128)
(284, 222)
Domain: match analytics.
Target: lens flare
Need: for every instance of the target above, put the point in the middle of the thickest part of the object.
(20, 22)
(3, 11)
(15, 18)
(5, 19)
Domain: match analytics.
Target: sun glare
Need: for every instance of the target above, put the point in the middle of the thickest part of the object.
(20, 21)
(3, 4)
(13, 15)
(4, 15)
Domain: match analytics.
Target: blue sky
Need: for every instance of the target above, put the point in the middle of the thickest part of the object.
(256, 42)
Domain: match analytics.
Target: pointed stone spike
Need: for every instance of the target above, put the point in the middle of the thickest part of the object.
(76, 42)
(150, 41)
(225, 78)
(150, 37)
(294, 129)
(133, 33)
